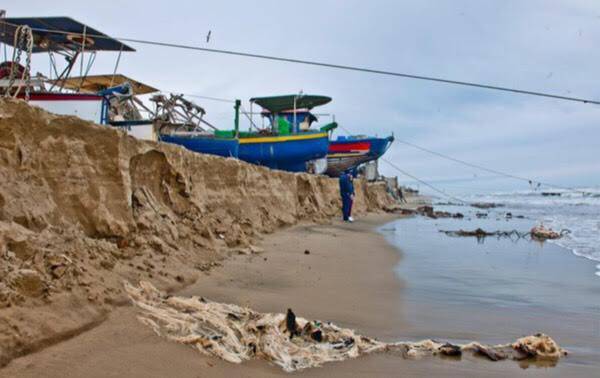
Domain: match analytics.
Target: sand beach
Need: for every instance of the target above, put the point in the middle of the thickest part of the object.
(348, 277)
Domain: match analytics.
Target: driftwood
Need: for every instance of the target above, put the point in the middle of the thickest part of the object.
(486, 205)
(237, 334)
(551, 194)
(428, 211)
(479, 233)
(536, 233)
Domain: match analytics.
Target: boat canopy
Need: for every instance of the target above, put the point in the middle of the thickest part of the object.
(59, 33)
(277, 104)
(97, 83)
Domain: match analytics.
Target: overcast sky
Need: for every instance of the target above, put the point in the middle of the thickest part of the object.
(539, 45)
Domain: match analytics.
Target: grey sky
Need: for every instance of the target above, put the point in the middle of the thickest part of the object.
(537, 45)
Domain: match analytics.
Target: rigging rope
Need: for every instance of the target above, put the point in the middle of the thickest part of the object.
(490, 170)
(91, 61)
(244, 112)
(112, 79)
(83, 40)
(332, 65)
(440, 191)
(480, 167)
(403, 172)
(208, 97)
(52, 65)
(23, 42)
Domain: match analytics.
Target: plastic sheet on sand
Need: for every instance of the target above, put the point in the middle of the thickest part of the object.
(237, 334)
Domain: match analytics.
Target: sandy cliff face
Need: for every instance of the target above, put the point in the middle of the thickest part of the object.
(83, 207)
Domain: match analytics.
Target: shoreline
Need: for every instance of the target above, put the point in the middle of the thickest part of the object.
(348, 278)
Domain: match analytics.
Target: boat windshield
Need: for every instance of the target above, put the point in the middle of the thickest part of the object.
(287, 123)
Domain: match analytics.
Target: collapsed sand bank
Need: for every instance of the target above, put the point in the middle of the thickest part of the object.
(83, 207)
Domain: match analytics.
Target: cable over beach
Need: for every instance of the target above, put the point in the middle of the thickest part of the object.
(335, 66)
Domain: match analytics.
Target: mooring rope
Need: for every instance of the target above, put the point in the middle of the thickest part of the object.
(23, 41)
(490, 170)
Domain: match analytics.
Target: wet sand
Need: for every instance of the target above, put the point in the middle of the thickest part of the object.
(348, 278)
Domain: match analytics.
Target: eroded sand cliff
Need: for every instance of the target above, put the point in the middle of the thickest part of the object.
(84, 207)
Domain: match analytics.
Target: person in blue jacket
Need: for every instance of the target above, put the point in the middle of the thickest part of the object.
(347, 193)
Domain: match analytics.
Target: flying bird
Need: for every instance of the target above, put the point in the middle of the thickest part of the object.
(208, 36)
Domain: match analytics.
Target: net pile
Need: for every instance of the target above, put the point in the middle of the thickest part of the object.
(238, 334)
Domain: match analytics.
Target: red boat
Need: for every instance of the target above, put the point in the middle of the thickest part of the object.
(348, 152)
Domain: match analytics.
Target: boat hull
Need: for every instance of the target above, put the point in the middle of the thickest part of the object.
(287, 152)
(205, 144)
(89, 107)
(348, 154)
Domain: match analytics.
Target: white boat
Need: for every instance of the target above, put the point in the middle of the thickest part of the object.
(57, 37)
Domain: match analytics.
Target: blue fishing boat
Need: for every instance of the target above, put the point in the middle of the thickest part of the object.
(285, 152)
(206, 144)
(348, 152)
(287, 143)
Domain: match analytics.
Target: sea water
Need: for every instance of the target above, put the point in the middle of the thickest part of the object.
(499, 288)
(577, 211)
